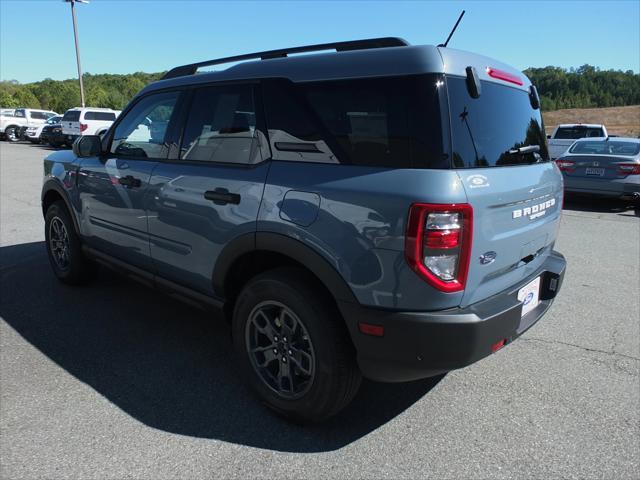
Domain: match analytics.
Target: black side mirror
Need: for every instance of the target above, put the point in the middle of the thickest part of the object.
(548, 137)
(87, 146)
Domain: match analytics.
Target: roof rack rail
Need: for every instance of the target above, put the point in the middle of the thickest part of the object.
(382, 42)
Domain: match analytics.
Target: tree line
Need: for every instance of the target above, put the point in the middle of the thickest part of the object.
(583, 87)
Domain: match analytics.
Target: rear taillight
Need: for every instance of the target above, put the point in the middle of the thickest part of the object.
(566, 165)
(438, 243)
(629, 169)
(83, 127)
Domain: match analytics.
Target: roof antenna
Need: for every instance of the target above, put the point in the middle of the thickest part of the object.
(453, 30)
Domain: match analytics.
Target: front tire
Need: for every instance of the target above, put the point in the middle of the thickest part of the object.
(64, 248)
(11, 134)
(294, 347)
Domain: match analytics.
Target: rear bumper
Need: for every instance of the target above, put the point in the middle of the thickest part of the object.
(616, 188)
(422, 344)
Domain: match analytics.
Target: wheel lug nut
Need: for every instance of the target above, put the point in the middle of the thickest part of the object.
(275, 338)
(275, 350)
(290, 352)
(284, 359)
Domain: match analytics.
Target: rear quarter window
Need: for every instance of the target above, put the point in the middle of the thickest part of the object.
(102, 116)
(383, 122)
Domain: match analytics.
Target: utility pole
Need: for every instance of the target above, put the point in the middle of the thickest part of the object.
(75, 36)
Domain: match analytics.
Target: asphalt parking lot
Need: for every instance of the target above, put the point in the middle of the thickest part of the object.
(114, 380)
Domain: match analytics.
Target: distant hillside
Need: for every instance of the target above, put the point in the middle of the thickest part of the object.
(559, 88)
(623, 121)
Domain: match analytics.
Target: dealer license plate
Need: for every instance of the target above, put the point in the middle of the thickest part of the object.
(529, 295)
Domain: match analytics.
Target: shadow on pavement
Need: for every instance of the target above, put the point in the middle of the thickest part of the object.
(584, 203)
(167, 364)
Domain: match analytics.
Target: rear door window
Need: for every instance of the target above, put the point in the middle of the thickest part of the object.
(40, 115)
(486, 130)
(71, 116)
(384, 122)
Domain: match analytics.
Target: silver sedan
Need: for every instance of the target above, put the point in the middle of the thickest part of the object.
(608, 167)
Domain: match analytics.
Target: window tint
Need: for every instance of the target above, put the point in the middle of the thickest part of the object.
(103, 116)
(608, 147)
(71, 116)
(221, 126)
(486, 129)
(19, 113)
(390, 122)
(573, 133)
(41, 115)
(141, 133)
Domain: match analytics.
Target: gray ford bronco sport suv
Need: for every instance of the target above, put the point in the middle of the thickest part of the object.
(379, 210)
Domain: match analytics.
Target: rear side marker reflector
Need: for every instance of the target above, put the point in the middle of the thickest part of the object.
(504, 76)
(369, 329)
(498, 345)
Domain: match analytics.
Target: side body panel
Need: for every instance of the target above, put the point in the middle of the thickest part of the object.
(112, 216)
(188, 231)
(355, 217)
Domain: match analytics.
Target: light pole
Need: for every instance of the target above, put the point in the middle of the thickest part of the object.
(75, 36)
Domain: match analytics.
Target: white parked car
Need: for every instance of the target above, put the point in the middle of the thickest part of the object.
(13, 127)
(564, 135)
(33, 133)
(87, 121)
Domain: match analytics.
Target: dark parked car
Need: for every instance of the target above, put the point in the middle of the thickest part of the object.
(52, 134)
(383, 210)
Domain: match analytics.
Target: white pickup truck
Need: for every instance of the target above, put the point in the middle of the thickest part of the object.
(564, 135)
(13, 126)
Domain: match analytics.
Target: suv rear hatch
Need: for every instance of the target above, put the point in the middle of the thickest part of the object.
(71, 122)
(515, 192)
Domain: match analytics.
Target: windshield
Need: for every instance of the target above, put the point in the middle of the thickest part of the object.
(607, 147)
(491, 131)
(573, 133)
(55, 119)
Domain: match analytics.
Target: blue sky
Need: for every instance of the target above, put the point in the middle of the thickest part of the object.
(123, 36)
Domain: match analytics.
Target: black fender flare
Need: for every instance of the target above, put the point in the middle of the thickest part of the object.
(289, 247)
(54, 185)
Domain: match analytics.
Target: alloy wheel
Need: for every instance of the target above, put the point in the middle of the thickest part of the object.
(280, 349)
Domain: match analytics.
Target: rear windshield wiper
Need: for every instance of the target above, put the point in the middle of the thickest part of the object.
(527, 149)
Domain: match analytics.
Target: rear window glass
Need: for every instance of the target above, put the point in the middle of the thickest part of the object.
(385, 122)
(71, 116)
(104, 116)
(609, 147)
(487, 131)
(573, 133)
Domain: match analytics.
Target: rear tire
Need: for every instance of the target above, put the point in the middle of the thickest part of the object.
(64, 248)
(294, 347)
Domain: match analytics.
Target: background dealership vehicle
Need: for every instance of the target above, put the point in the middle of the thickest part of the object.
(13, 127)
(608, 167)
(563, 136)
(52, 135)
(33, 133)
(87, 121)
(349, 211)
